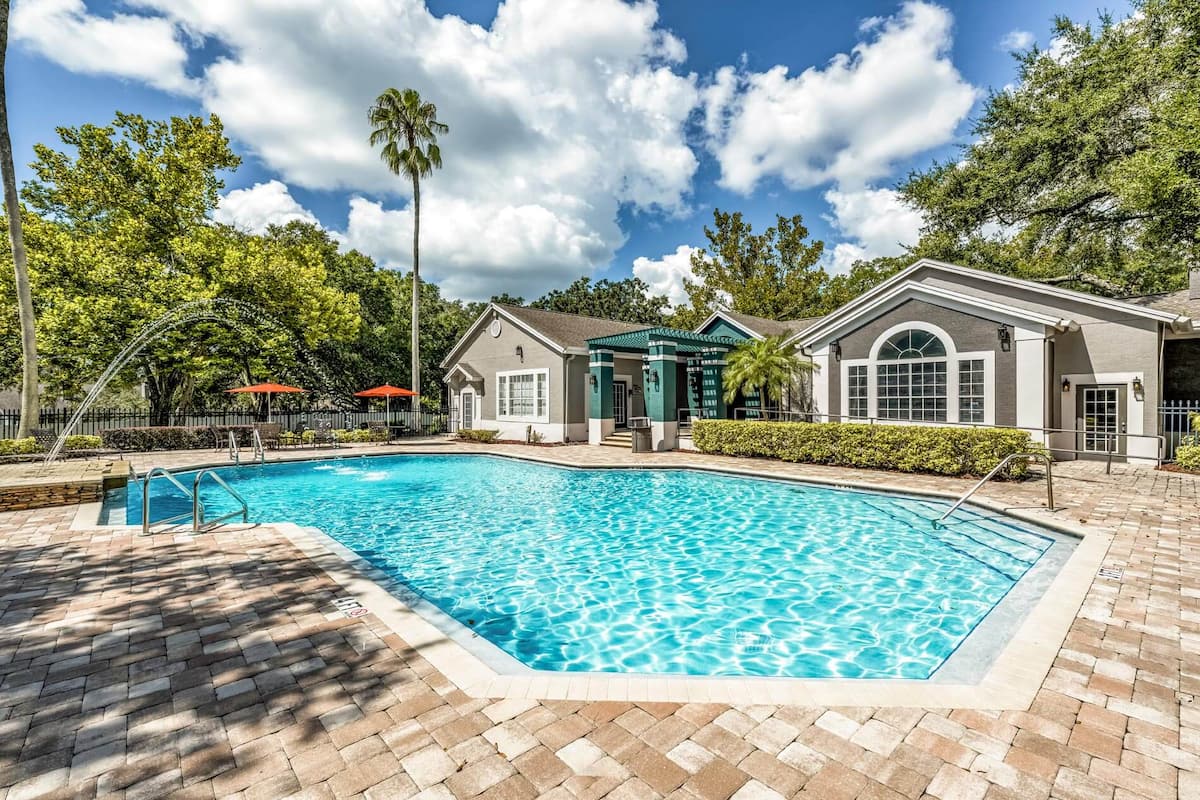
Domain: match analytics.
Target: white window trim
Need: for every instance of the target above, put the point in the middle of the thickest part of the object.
(527, 417)
(952, 357)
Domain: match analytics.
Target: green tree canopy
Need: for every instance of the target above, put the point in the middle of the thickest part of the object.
(1087, 171)
(628, 300)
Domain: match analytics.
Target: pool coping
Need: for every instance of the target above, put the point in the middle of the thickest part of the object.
(1011, 682)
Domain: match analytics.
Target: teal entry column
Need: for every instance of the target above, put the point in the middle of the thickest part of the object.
(600, 395)
(661, 369)
(712, 382)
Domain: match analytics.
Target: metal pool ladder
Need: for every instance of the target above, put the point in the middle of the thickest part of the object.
(198, 521)
(1045, 457)
(235, 452)
(197, 513)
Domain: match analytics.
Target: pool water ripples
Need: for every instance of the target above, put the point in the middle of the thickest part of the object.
(656, 571)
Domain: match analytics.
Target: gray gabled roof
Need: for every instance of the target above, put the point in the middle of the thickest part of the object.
(761, 327)
(768, 327)
(569, 330)
(1175, 302)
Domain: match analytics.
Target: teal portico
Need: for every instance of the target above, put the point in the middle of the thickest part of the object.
(680, 379)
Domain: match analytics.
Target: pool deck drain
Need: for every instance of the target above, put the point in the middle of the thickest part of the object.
(206, 666)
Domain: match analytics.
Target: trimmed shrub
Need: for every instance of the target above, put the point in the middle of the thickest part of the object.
(905, 448)
(21, 447)
(18, 447)
(161, 438)
(475, 435)
(1187, 456)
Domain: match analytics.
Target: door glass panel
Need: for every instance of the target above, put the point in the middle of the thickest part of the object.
(468, 409)
(619, 399)
(1101, 420)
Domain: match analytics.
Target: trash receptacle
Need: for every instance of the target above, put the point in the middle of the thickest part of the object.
(642, 442)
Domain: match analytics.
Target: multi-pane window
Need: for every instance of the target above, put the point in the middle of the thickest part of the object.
(971, 389)
(912, 391)
(912, 379)
(857, 390)
(523, 395)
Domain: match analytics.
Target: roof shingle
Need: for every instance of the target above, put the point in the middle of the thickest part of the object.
(569, 330)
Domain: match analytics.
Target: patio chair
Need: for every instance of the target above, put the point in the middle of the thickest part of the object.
(268, 433)
(324, 434)
(379, 432)
(46, 439)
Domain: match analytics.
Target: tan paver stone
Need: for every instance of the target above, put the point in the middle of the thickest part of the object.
(429, 766)
(218, 671)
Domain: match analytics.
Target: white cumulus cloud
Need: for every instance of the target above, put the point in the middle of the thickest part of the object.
(263, 204)
(877, 221)
(560, 113)
(896, 94)
(143, 48)
(1016, 40)
(667, 274)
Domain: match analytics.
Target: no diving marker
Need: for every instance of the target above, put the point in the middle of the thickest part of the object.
(350, 607)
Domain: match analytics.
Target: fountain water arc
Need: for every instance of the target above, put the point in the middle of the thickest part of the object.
(221, 309)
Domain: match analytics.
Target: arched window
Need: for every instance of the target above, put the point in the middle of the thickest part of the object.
(912, 377)
(912, 344)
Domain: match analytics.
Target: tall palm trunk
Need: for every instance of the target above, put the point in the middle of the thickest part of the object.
(416, 287)
(12, 208)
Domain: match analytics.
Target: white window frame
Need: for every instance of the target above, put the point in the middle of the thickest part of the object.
(952, 357)
(502, 395)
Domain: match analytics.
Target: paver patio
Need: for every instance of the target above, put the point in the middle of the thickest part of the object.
(214, 666)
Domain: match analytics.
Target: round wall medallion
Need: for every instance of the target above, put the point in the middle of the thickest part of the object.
(494, 328)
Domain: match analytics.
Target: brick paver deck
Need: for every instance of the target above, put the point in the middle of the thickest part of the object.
(211, 666)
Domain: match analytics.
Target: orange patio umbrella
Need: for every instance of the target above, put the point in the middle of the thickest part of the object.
(387, 392)
(269, 388)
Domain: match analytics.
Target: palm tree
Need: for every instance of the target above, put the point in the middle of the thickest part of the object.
(758, 365)
(407, 127)
(12, 209)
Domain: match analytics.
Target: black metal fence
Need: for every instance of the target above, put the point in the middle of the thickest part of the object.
(1174, 421)
(100, 419)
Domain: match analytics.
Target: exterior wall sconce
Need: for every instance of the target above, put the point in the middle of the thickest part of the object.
(521, 353)
(1066, 385)
(1005, 338)
(653, 377)
(592, 382)
(636, 390)
(1139, 388)
(835, 347)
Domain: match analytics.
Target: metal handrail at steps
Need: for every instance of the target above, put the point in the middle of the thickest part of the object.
(163, 472)
(235, 452)
(1045, 457)
(199, 524)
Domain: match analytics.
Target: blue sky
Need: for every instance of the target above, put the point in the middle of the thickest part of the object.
(587, 136)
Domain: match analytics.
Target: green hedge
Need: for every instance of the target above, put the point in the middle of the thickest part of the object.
(20, 447)
(907, 448)
(475, 435)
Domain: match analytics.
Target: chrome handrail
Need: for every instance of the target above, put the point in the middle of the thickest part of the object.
(165, 473)
(198, 521)
(235, 453)
(1003, 463)
(259, 451)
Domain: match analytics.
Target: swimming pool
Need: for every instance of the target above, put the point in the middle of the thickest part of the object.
(656, 571)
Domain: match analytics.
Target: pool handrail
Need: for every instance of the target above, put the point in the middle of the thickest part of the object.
(166, 473)
(199, 524)
(995, 470)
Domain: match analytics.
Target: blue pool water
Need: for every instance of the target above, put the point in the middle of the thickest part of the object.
(655, 571)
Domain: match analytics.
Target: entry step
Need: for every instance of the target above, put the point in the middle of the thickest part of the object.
(619, 439)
